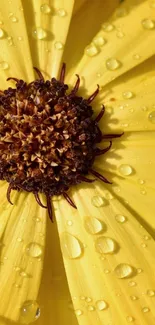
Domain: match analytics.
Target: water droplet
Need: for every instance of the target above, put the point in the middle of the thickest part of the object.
(78, 312)
(4, 65)
(107, 27)
(91, 308)
(17, 285)
(151, 117)
(58, 45)
(36, 219)
(39, 33)
(82, 297)
(106, 271)
(128, 94)
(148, 24)
(91, 50)
(145, 309)
(120, 218)
(29, 312)
(69, 222)
(10, 40)
(105, 245)
(120, 34)
(13, 18)
(123, 271)
(141, 181)
(71, 246)
(45, 9)
(132, 284)
(101, 305)
(121, 12)
(1, 33)
(139, 271)
(108, 195)
(146, 237)
(143, 245)
(93, 225)
(136, 56)
(112, 64)
(130, 319)
(150, 293)
(98, 201)
(99, 41)
(61, 12)
(1, 22)
(20, 38)
(125, 170)
(133, 298)
(143, 192)
(34, 250)
(17, 268)
(24, 274)
(19, 239)
(88, 299)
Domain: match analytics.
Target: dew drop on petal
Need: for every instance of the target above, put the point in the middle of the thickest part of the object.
(101, 305)
(145, 309)
(36, 219)
(127, 94)
(69, 222)
(91, 50)
(139, 271)
(58, 45)
(150, 293)
(107, 27)
(1, 33)
(88, 299)
(151, 117)
(98, 201)
(132, 284)
(120, 34)
(71, 246)
(121, 12)
(136, 56)
(141, 181)
(20, 38)
(108, 195)
(4, 65)
(112, 64)
(120, 218)
(10, 40)
(99, 41)
(123, 271)
(148, 24)
(129, 319)
(125, 170)
(105, 245)
(39, 33)
(93, 225)
(29, 312)
(61, 12)
(78, 312)
(45, 9)
(133, 298)
(91, 308)
(24, 274)
(34, 250)
(13, 18)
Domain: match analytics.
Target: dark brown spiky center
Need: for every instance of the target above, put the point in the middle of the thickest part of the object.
(48, 136)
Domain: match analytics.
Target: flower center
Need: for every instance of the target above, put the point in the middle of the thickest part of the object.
(48, 137)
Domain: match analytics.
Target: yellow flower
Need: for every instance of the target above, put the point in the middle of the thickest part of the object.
(107, 244)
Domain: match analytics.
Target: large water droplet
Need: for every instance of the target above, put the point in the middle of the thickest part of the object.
(1, 33)
(105, 245)
(150, 293)
(61, 12)
(58, 45)
(71, 246)
(129, 319)
(93, 225)
(128, 94)
(101, 305)
(145, 309)
(120, 218)
(123, 271)
(107, 27)
(91, 50)
(151, 117)
(99, 41)
(39, 33)
(34, 250)
(112, 64)
(45, 9)
(4, 65)
(29, 312)
(148, 24)
(98, 201)
(125, 170)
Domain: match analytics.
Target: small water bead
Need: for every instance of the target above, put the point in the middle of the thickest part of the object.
(133, 298)
(61, 12)
(143, 192)
(145, 309)
(17, 285)
(120, 218)
(101, 305)
(19, 239)
(29, 312)
(143, 245)
(125, 170)
(148, 24)
(121, 12)
(139, 271)
(127, 94)
(112, 64)
(129, 319)
(88, 299)
(13, 19)
(141, 181)
(132, 284)
(146, 237)
(136, 56)
(34, 250)
(106, 271)
(98, 201)
(36, 219)
(1, 22)
(39, 33)
(93, 225)
(45, 9)
(151, 117)
(78, 312)
(120, 34)
(105, 245)
(4, 65)
(107, 27)
(71, 246)
(91, 50)
(1, 33)
(17, 268)
(150, 293)
(123, 271)
(20, 38)
(10, 40)
(82, 297)
(99, 41)
(91, 308)
(69, 222)
(108, 195)
(24, 274)
(58, 45)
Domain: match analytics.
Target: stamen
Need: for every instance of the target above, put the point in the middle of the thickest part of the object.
(102, 151)
(68, 199)
(85, 179)
(76, 87)
(91, 98)
(49, 207)
(11, 78)
(8, 193)
(39, 73)
(99, 116)
(101, 177)
(62, 73)
(38, 200)
(111, 136)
